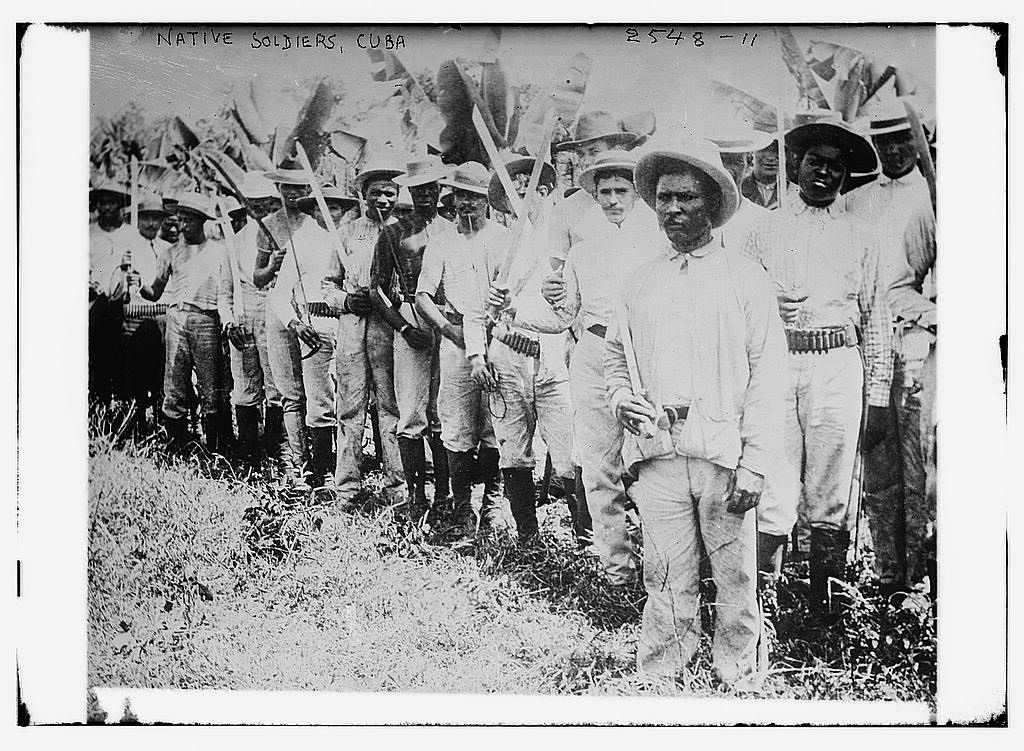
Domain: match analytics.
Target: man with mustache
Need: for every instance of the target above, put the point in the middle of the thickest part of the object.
(830, 282)
(706, 345)
(365, 342)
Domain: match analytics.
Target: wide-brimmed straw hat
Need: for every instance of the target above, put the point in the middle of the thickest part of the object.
(112, 189)
(379, 167)
(288, 172)
(333, 195)
(256, 186)
(151, 203)
(598, 125)
(665, 157)
(471, 176)
(740, 140)
(516, 164)
(860, 154)
(197, 203)
(890, 118)
(613, 159)
(423, 170)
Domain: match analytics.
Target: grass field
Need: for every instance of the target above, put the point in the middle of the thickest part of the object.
(199, 578)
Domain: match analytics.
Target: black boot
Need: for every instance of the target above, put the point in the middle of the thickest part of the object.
(462, 465)
(520, 491)
(225, 429)
(770, 549)
(322, 461)
(414, 463)
(827, 562)
(177, 433)
(439, 456)
(582, 524)
(248, 419)
(493, 513)
(211, 432)
(273, 431)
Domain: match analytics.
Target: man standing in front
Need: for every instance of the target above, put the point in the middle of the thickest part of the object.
(828, 275)
(365, 346)
(397, 260)
(707, 354)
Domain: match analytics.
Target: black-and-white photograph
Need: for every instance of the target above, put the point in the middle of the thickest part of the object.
(513, 359)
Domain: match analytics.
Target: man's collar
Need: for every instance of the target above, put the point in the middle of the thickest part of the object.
(711, 246)
(908, 179)
(798, 206)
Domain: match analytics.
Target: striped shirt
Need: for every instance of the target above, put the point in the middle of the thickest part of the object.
(912, 279)
(834, 258)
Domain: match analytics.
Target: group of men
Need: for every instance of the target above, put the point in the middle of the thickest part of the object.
(682, 330)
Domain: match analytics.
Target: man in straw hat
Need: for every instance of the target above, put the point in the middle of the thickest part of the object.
(894, 481)
(295, 232)
(110, 245)
(761, 185)
(365, 345)
(826, 267)
(737, 147)
(144, 333)
(298, 302)
(193, 267)
(707, 371)
(250, 358)
(575, 215)
(397, 260)
(583, 291)
(529, 390)
(447, 290)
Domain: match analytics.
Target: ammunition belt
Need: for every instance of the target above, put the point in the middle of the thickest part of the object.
(821, 340)
(187, 307)
(321, 310)
(145, 309)
(520, 343)
(598, 329)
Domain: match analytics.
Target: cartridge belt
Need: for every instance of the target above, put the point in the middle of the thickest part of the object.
(520, 343)
(821, 339)
(598, 329)
(145, 309)
(321, 310)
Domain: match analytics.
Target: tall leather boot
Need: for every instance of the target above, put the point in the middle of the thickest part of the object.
(273, 431)
(177, 433)
(248, 419)
(225, 429)
(294, 453)
(414, 464)
(322, 462)
(212, 432)
(827, 561)
(582, 524)
(461, 465)
(493, 510)
(439, 456)
(520, 491)
(770, 549)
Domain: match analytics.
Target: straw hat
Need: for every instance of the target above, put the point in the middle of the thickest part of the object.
(859, 152)
(598, 125)
(196, 203)
(889, 118)
(741, 140)
(110, 188)
(256, 186)
(332, 195)
(471, 176)
(516, 164)
(288, 172)
(381, 167)
(151, 203)
(423, 170)
(663, 157)
(614, 159)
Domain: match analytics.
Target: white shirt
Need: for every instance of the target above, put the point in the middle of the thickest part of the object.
(734, 232)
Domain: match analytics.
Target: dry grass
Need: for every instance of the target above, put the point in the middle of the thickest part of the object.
(201, 579)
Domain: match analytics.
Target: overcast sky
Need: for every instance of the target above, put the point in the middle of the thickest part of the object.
(128, 64)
